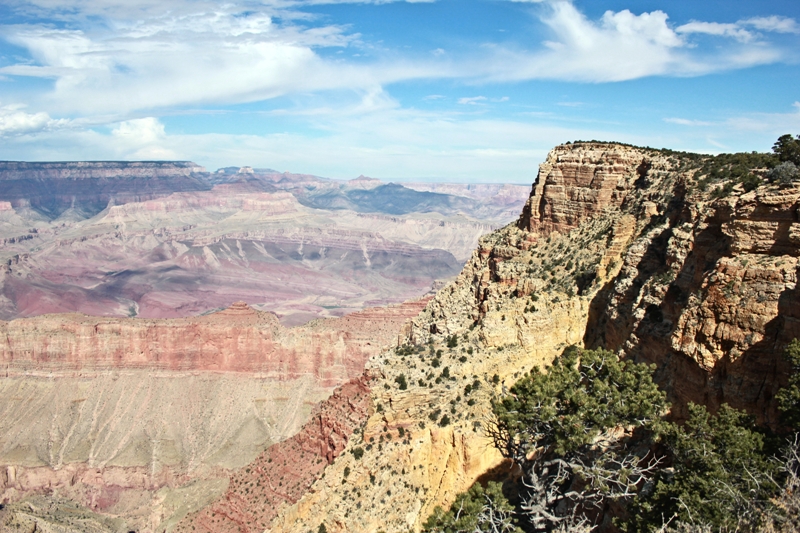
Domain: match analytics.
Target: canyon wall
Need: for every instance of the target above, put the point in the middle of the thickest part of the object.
(616, 247)
(54, 187)
(144, 421)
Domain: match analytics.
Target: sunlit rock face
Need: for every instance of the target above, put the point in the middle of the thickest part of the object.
(616, 247)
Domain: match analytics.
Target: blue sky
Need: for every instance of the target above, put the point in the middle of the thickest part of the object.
(455, 90)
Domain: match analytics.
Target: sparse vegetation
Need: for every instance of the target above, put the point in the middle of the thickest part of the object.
(715, 473)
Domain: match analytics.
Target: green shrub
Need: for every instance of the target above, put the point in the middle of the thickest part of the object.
(477, 510)
(720, 478)
(789, 396)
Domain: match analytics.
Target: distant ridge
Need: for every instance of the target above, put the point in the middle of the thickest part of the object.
(52, 187)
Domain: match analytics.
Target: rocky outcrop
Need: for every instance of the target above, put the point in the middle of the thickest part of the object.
(576, 184)
(616, 247)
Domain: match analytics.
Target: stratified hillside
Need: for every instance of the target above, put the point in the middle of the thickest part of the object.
(139, 422)
(151, 240)
(85, 188)
(617, 246)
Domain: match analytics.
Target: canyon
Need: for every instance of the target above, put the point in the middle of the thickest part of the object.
(74, 238)
(146, 420)
(615, 246)
(618, 247)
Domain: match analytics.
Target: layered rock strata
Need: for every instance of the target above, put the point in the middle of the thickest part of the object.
(55, 187)
(189, 253)
(145, 420)
(284, 472)
(616, 247)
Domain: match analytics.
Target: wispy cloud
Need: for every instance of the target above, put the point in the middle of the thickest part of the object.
(772, 123)
(222, 55)
(687, 122)
(472, 100)
(776, 24)
(715, 28)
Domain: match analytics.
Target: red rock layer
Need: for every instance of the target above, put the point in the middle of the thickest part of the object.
(238, 339)
(285, 471)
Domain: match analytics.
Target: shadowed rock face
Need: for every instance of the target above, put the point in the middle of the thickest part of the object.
(89, 187)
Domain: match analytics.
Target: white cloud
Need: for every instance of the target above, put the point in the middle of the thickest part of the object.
(140, 131)
(143, 138)
(687, 122)
(619, 46)
(220, 53)
(776, 24)
(623, 46)
(474, 100)
(716, 28)
(15, 121)
(738, 31)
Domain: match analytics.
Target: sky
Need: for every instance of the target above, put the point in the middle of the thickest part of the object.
(437, 90)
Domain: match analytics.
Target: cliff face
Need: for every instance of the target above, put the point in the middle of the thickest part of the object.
(237, 339)
(616, 247)
(52, 188)
(145, 421)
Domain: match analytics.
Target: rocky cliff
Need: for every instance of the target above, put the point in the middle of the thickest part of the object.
(617, 246)
(144, 421)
